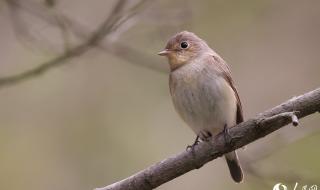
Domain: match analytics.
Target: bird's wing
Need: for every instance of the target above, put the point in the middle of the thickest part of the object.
(226, 73)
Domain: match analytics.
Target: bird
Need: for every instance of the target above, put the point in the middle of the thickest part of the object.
(203, 91)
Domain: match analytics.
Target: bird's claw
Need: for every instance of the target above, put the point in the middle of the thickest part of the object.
(196, 142)
(226, 134)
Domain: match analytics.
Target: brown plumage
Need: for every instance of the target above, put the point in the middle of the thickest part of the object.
(203, 91)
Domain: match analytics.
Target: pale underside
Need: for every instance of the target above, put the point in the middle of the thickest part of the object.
(203, 98)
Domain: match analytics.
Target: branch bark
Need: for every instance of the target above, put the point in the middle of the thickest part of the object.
(239, 136)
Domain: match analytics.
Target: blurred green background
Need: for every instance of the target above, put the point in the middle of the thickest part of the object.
(102, 117)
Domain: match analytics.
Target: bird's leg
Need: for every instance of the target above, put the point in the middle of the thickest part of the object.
(226, 134)
(205, 135)
(194, 144)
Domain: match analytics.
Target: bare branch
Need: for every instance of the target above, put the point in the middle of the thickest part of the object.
(120, 50)
(108, 26)
(289, 115)
(295, 121)
(240, 135)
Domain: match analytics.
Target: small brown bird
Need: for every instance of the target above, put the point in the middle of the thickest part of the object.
(202, 91)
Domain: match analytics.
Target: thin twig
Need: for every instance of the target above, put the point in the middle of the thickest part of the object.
(288, 115)
(295, 121)
(122, 51)
(109, 25)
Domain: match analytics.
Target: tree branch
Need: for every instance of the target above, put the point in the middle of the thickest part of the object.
(240, 135)
(58, 19)
(114, 20)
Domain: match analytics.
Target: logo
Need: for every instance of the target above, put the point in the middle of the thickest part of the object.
(280, 186)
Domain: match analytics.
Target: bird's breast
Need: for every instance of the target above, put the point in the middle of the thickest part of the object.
(203, 98)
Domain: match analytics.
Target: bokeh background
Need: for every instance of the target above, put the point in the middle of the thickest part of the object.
(106, 113)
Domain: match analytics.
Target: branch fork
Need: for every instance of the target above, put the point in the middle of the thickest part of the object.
(291, 116)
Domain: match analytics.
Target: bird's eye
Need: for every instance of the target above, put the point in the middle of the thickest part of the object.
(184, 45)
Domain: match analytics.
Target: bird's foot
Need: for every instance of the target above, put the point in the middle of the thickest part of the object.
(196, 142)
(205, 135)
(227, 136)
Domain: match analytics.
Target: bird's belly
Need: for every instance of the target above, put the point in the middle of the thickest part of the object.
(205, 103)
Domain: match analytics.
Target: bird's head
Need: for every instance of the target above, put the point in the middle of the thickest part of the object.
(182, 48)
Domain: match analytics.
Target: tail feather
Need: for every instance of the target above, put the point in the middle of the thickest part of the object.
(234, 166)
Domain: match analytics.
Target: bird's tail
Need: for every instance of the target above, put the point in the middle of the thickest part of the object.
(234, 166)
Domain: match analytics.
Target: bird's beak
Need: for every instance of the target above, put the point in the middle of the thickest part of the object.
(164, 52)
